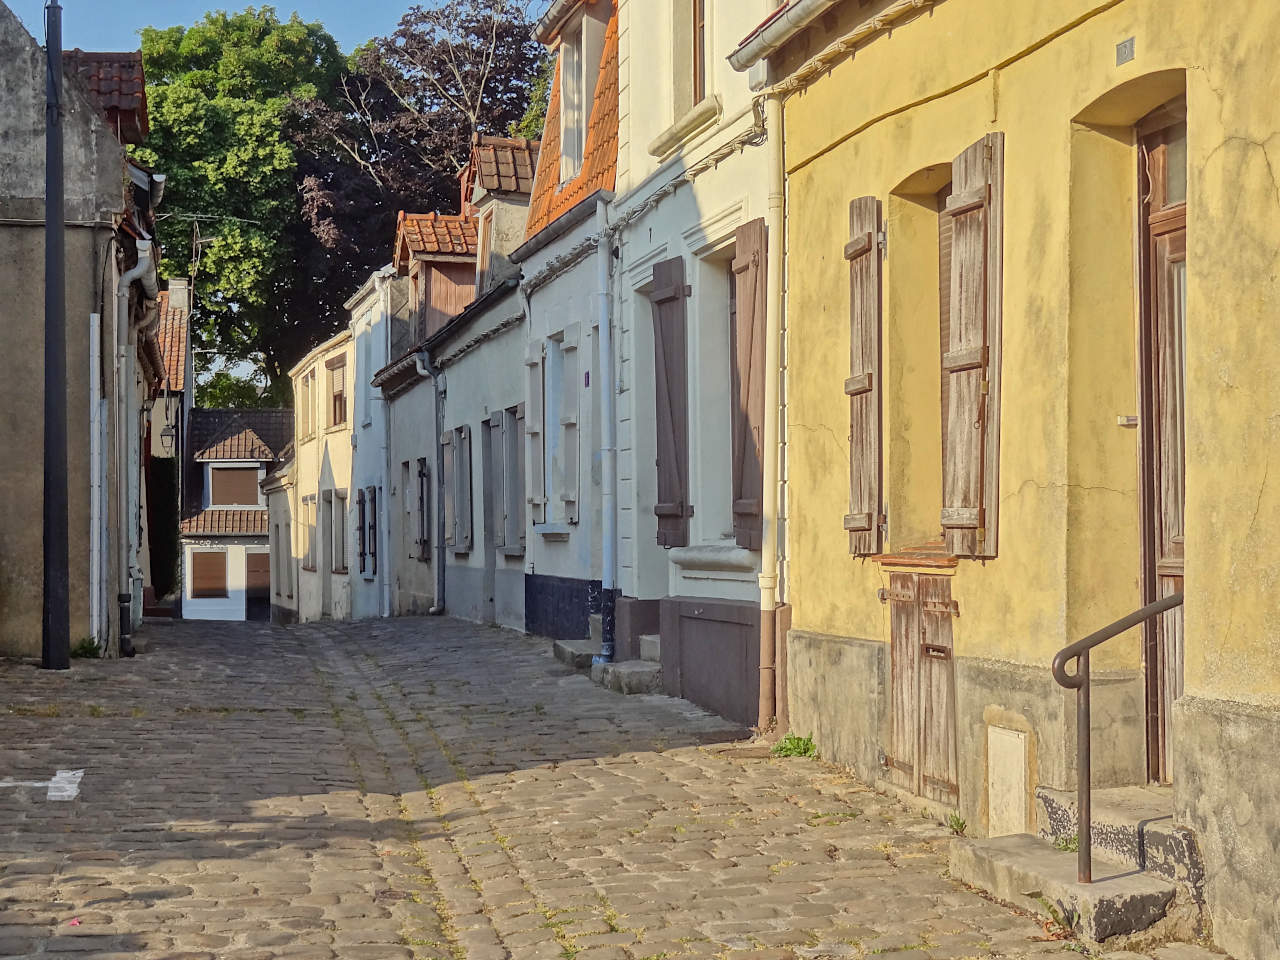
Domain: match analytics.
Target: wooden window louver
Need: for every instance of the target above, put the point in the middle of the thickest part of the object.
(750, 277)
(863, 387)
(669, 298)
(971, 358)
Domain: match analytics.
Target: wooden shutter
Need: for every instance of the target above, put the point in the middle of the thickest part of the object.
(748, 335)
(234, 486)
(863, 387)
(424, 520)
(971, 360)
(672, 392)
(496, 486)
(463, 501)
(571, 393)
(515, 480)
(450, 490)
(373, 528)
(939, 777)
(535, 431)
(208, 574)
(904, 649)
(362, 532)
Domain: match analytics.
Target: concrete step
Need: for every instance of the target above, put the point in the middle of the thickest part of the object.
(1132, 826)
(651, 647)
(1029, 873)
(575, 653)
(628, 676)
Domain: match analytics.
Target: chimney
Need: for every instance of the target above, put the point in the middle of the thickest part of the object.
(180, 295)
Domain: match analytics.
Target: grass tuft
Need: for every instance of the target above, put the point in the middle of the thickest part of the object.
(795, 746)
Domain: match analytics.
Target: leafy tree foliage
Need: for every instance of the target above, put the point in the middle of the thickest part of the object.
(222, 389)
(535, 114)
(218, 94)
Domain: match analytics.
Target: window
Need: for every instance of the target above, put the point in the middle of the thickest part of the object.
(233, 487)
(535, 432)
(581, 46)
(699, 33)
(306, 403)
(208, 574)
(337, 392)
(339, 531)
(287, 559)
(309, 518)
(424, 511)
(457, 488)
(561, 394)
(278, 559)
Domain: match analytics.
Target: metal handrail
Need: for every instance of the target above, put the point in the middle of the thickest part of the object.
(1079, 681)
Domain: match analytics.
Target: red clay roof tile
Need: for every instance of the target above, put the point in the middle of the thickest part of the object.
(171, 338)
(503, 163)
(427, 234)
(222, 523)
(117, 82)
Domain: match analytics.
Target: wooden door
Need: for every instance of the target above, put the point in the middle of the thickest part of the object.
(257, 579)
(1163, 177)
(922, 727)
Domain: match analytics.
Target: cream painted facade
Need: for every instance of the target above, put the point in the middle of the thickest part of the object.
(326, 504)
(1057, 81)
(690, 174)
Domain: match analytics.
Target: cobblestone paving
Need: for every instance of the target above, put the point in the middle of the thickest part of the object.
(427, 788)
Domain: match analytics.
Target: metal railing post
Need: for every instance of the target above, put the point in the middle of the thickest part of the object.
(1084, 777)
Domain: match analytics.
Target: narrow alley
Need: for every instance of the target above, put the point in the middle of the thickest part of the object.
(428, 788)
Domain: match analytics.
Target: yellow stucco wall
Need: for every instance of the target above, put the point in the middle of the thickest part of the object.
(1069, 537)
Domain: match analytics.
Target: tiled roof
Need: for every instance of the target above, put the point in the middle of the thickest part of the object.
(171, 337)
(222, 523)
(503, 163)
(240, 434)
(600, 157)
(434, 233)
(117, 82)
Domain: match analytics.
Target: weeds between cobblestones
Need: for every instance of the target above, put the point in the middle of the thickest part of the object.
(436, 790)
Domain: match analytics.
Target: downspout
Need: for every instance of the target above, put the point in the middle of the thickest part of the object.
(384, 289)
(422, 361)
(609, 439)
(125, 427)
(772, 493)
(95, 476)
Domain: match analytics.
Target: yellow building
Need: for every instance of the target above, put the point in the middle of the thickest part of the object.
(1032, 278)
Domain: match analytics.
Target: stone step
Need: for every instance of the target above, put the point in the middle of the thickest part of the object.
(575, 653)
(1029, 873)
(628, 676)
(595, 624)
(1132, 826)
(651, 647)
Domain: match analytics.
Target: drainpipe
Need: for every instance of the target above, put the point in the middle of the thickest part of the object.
(609, 438)
(382, 279)
(95, 475)
(422, 360)
(772, 492)
(126, 426)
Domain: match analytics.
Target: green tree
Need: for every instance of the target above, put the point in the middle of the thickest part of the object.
(535, 115)
(223, 390)
(218, 95)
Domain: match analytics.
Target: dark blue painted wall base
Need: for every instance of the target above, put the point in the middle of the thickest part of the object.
(559, 607)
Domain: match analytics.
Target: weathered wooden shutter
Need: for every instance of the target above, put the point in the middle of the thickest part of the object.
(496, 487)
(939, 776)
(360, 528)
(463, 501)
(571, 387)
(450, 489)
(515, 495)
(535, 431)
(904, 650)
(373, 528)
(672, 392)
(424, 498)
(863, 387)
(748, 334)
(971, 360)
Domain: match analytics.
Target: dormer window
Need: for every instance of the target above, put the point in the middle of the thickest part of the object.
(581, 46)
(234, 486)
(689, 54)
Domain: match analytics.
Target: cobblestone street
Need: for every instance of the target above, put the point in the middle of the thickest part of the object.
(427, 788)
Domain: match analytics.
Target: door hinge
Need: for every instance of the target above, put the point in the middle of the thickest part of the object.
(883, 594)
(882, 241)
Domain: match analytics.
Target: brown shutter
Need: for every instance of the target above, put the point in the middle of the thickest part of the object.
(749, 279)
(234, 486)
(373, 528)
(672, 392)
(945, 223)
(208, 574)
(497, 481)
(864, 384)
(361, 531)
(971, 360)
(463, 502)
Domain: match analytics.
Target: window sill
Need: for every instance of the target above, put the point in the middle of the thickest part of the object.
(693, 122)
(553, 531)
(336, 428)
(460, 551)
(513, 551)
(342, 570)
(308, 569)
(726, 557)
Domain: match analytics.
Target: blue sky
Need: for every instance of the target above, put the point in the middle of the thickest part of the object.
(100, 25)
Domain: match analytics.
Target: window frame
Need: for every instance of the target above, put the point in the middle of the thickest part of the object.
(234, 465)
(339, 531)
(335, 368)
